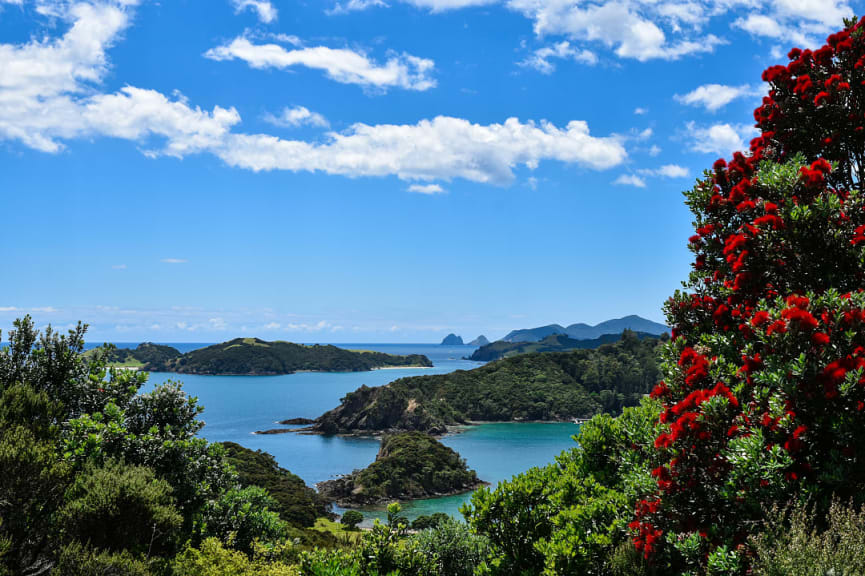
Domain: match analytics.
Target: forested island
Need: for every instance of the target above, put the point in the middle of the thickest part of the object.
(552, 343)
(253, 356)
(409, 465)
(536, 386)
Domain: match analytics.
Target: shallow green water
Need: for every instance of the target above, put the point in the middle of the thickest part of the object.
(497, 452)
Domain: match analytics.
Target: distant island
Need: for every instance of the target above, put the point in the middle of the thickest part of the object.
(552, 343)
(586, 332)
(409, 465)
(252, 356)
(452, 340)
(550, 386)
(479, 341)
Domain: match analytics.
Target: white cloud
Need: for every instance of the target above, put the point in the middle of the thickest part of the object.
(715, 96)
(296, 117)
(619, 25)
(654, 150)
(271, 326)
(217, 323)
(431, 5)
(630, 180)
(355, 6)
(265, 10)
(666, 171)
(657, 29)
(119, 267)
(340, 64)
(174, 261)
(426, 189)
(540, 58)
(439, 149)
(720, 139)
(641, 111)
(46, 92)
(49, 94)
(8, 309)
(803, 22)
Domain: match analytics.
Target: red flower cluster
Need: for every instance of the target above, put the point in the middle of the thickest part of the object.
(759, 248)
(815, 91)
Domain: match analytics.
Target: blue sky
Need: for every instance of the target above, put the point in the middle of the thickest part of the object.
(366, 170)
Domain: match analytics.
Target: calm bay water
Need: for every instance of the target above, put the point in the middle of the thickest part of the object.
(237, 406)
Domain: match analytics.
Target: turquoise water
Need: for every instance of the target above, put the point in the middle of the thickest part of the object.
(237, 406)
(497, 452)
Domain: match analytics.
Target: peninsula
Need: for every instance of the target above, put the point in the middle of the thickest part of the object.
(254, 357)
(546, 386)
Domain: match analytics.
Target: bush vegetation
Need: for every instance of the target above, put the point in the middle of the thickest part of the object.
(548, 386)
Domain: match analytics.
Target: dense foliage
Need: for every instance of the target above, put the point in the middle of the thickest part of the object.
(572, 516)
(798, 541)
(296, 503)
(408, 465)
(98, 478)
(253, 356)
(763, 396)
(549, 386)
(552, 343)
(145, 354)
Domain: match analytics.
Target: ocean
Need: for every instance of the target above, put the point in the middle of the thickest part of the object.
(237, 406)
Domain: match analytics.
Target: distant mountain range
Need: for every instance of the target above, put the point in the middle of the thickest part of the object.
(586, 332)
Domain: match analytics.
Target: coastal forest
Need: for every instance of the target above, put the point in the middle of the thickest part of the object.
(253, 356)
(745, 458)
(549, 386)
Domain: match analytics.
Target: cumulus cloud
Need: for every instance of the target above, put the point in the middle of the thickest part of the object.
(630, 180)
(340, 64)
(666, 171)
(439, 149)
(713, 97)
(658, 29)
(265, 10)
(803, 22)
(296, 117)
(720, 139)
(630, 29)
(49, 94)
(46, 92)
(540, 58)
(428, 189)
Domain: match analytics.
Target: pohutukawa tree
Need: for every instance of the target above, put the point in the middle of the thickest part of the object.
(764, 396)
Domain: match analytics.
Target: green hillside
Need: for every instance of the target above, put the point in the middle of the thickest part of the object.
(409, 465)
(252, 356)
(547, 386)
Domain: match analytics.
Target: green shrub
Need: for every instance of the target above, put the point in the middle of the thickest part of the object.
(449, 548)
(213, 559)
(797, 542)
(350, 519)
(241, 517)
(79, 560)
(118, 507)
(423, 522)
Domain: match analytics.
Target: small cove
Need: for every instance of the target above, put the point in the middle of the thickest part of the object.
(237, 406)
